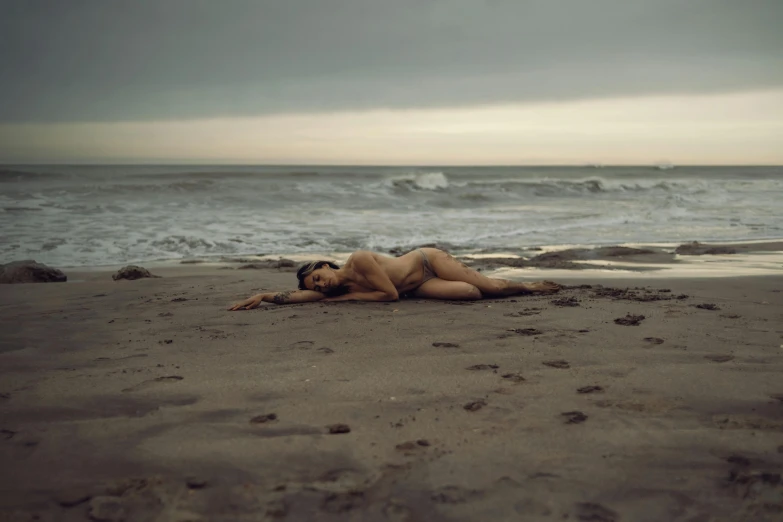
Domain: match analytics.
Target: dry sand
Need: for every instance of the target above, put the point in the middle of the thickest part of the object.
(147, 400)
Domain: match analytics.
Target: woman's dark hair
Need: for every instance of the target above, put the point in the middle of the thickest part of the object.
(308, 268)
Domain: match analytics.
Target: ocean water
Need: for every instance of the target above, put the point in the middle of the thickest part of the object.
(72, 216)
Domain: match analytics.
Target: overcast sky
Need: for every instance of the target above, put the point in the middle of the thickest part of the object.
(79, 69)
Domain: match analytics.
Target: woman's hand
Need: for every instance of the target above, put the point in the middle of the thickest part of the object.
(249, 303)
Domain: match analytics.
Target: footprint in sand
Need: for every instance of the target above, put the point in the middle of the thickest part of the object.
(595, 512)
(574, 417)
(514, 377)
(302, 345)
(475, 405)
(719, 358)
(336, 429)
(263, 419)
(477, 367)
(560, 364)
(526, 331)
(153, 382)
(629, 320)
(412, 446)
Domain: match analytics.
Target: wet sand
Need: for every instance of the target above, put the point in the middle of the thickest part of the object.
(147, 400)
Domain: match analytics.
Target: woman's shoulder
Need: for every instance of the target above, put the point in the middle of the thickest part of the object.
(362, 257)
(362, 254)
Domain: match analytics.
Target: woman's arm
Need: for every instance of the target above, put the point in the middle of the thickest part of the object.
(361, 296)
(365, 264)
(294, 296)
(286, 297)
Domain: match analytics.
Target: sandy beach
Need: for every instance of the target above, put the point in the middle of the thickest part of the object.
(621, 399)
(164, 162)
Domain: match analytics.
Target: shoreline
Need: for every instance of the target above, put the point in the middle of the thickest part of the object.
(750, 258)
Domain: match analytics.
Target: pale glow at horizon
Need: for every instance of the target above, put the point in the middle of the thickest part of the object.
(741, 128)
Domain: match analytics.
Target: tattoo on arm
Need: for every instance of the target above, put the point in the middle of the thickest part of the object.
(282, 297)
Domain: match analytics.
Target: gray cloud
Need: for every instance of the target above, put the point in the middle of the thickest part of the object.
(97, 60)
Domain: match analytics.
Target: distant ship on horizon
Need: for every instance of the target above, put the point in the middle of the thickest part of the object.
(664, 166)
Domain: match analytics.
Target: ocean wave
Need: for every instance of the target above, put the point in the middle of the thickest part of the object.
(417, 181)
(94, 216)
(483, 189)
(593, 185)
(192, 245)
(200, 185)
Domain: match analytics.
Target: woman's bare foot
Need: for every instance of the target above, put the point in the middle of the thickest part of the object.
(542, 287)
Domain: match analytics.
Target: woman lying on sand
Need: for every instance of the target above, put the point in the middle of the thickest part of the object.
(425, 272)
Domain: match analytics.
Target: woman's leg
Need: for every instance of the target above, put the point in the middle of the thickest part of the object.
(446, 267)
(451, 290)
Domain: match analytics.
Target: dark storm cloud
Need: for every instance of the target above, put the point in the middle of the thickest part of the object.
(78, 60)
